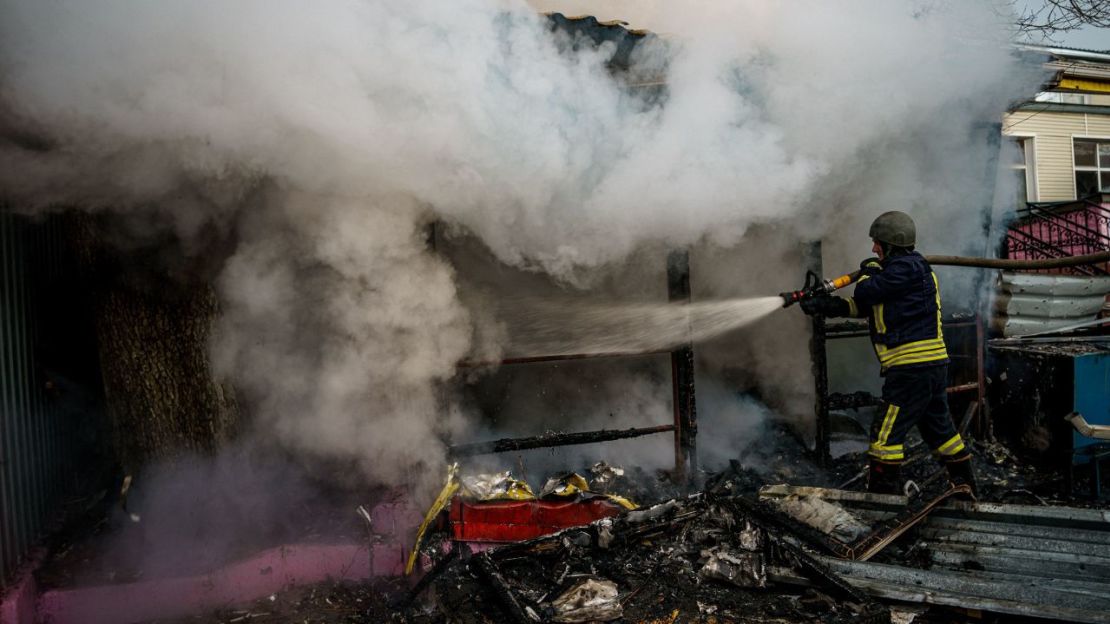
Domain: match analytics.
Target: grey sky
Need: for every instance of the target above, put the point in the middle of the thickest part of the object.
(1089, 38)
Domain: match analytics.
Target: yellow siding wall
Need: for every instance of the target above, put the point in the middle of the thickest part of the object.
(1052, 140)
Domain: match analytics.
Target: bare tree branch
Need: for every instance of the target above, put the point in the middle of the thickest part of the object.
(1052, 17)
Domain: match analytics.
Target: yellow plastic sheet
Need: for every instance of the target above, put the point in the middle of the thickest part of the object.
(440, 503)
(622, 501)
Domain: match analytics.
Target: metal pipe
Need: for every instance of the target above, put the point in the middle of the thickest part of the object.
(552, 440)
(533, 359)
(1099, 432)
(829, 286)
(1002, 263)
(982, 412)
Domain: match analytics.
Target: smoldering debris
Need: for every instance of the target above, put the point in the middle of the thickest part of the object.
(604, 475)
(744, 569)
(731, 554)
(824, 517)
(710, 552)
(590, 600)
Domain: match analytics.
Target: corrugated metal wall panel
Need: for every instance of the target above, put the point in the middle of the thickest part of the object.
(34, 441)
(1031, 303)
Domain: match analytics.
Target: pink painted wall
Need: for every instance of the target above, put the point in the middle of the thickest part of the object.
(237, 584)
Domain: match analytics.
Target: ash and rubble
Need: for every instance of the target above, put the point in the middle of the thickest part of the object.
(738, 550)
(728, 553)
(708, 556)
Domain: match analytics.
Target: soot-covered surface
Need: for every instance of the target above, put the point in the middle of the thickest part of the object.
(659, 577)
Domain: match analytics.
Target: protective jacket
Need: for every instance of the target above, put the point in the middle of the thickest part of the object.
(900, 297)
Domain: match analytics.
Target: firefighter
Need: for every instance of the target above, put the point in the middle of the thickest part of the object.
(898, 293)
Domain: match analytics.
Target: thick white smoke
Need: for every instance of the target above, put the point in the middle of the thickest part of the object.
(327, 137)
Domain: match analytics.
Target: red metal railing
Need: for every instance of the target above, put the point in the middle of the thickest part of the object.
(1057, 230)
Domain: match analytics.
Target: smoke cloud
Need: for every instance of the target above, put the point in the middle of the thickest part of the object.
(326, 139)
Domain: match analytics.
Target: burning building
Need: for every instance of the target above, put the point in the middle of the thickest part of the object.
(306, 246)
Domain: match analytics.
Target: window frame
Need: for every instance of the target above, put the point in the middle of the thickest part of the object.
(1028, 144)
(1098, 169)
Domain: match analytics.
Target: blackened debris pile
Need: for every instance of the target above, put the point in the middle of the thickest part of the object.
(711, 556)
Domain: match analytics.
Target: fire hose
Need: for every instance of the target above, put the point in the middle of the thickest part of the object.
(816, 287)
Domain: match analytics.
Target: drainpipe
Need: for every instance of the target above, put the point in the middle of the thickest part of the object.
(1099, 432)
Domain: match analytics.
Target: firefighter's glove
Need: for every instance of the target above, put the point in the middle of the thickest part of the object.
(870, 266)
(825, 305)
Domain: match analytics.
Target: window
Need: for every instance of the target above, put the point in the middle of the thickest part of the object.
(1092, 166)
(1023, 169)
(1058, 97)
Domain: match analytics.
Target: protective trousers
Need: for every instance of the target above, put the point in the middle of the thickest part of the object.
(912, 396)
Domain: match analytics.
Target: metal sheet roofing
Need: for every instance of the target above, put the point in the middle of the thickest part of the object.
(1046, 562)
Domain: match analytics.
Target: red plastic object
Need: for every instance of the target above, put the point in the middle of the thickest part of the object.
(514, 521)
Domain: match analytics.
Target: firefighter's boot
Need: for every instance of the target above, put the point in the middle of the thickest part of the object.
(884, 478)
(960, 472)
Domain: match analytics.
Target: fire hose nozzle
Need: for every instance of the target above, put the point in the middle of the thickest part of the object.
(791, 297)
(816, 287)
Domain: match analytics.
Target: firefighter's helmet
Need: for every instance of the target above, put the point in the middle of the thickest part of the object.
(894, 228)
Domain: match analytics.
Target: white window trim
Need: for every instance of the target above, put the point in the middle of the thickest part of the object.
(1093, 137)
(1032, 174)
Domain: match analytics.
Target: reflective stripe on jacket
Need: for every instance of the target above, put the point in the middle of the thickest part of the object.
(901, 299)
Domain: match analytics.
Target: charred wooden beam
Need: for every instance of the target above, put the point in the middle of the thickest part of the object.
(820, 366)
(426, 580)
(505, 594)
(682, 373)
(551, 440)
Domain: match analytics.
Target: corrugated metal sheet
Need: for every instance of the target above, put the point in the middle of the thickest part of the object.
(35, 445)
(1031, 303)
(1096, 71)
(1046, 562)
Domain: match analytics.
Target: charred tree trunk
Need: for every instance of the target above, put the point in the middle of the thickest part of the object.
(161, 396)
(153, 321)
